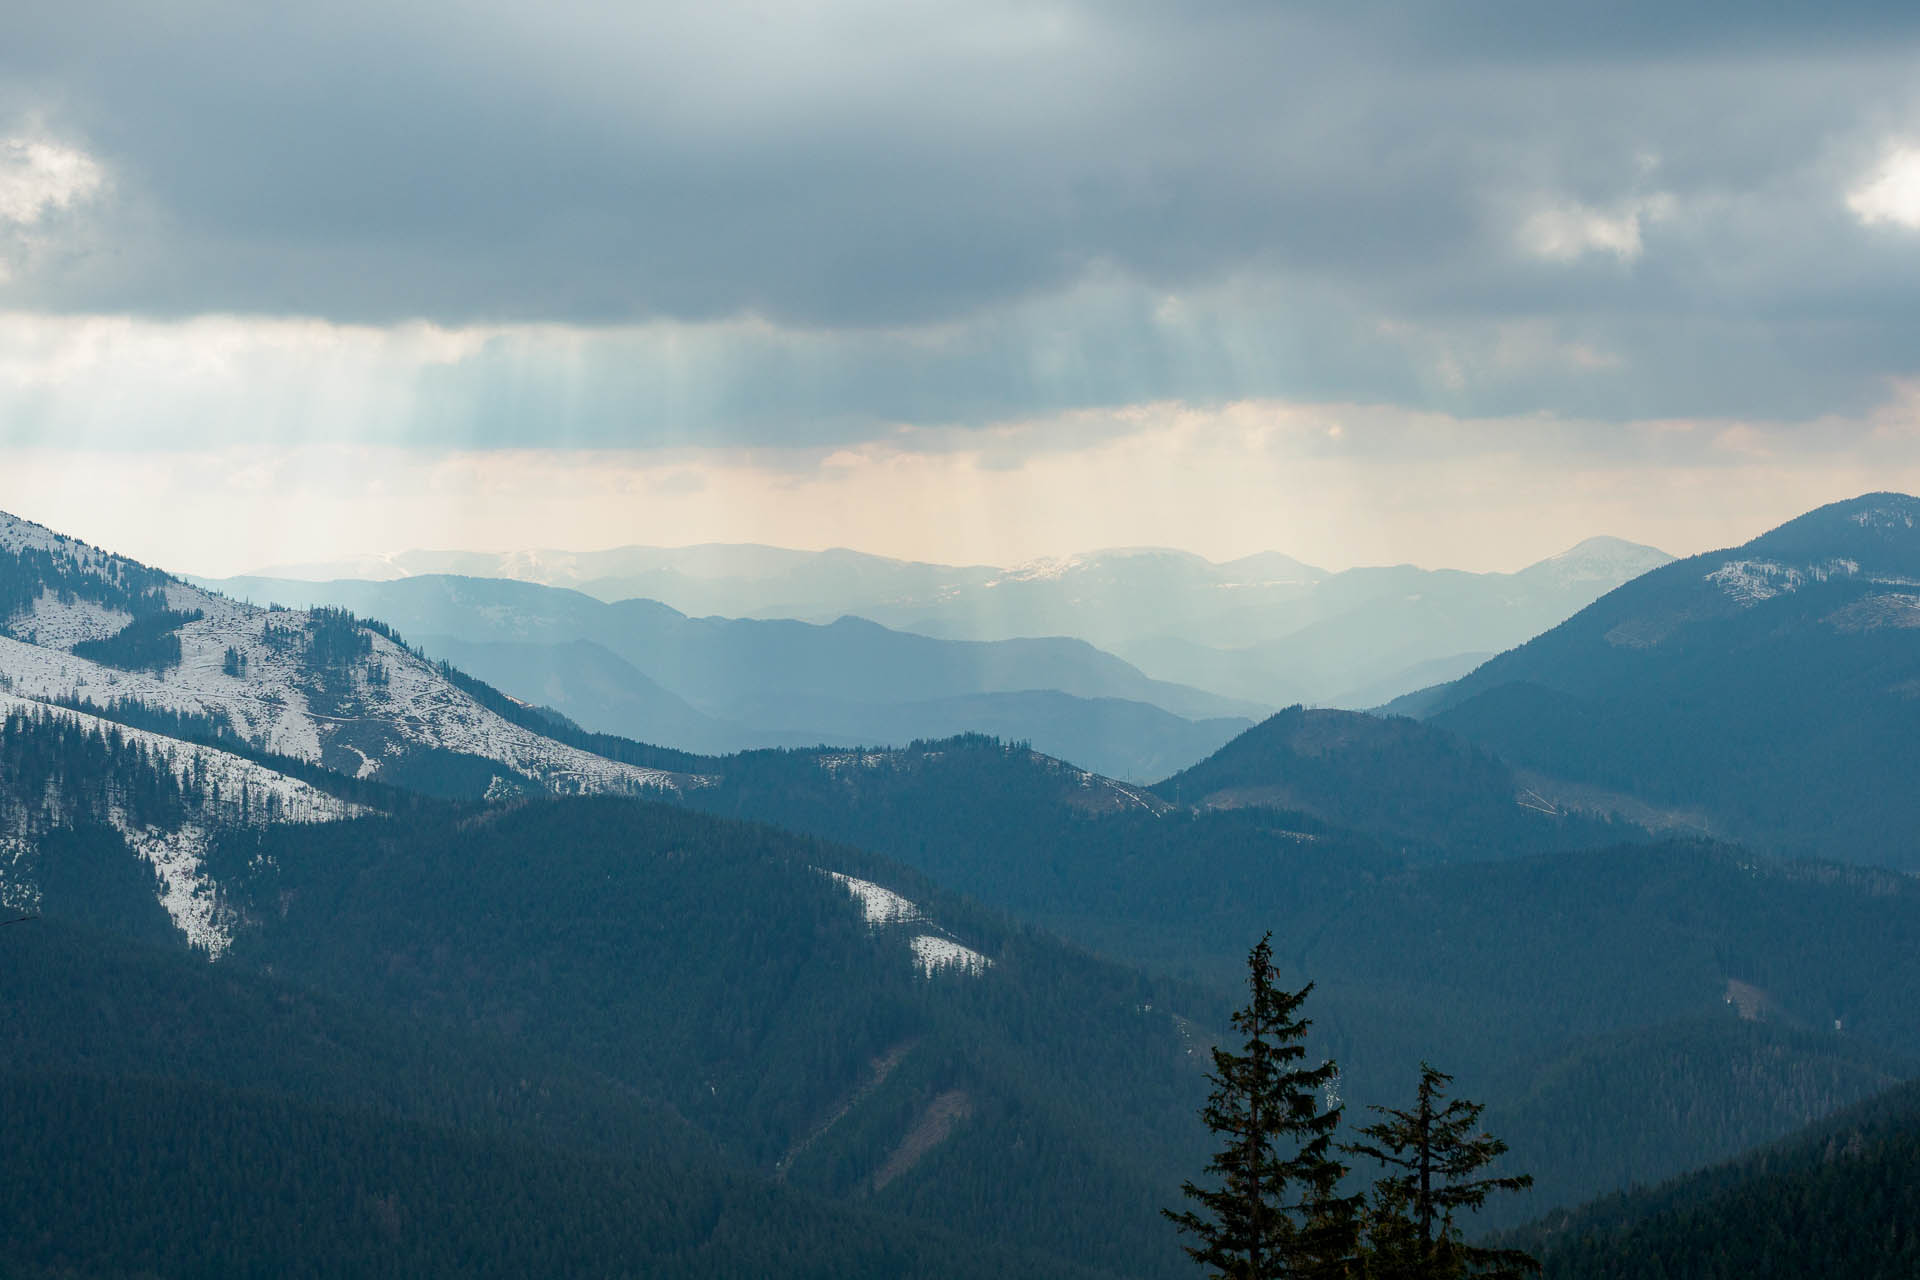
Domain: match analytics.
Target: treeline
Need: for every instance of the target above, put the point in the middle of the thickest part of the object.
(56, 771)
(111, 582)
(215, 729)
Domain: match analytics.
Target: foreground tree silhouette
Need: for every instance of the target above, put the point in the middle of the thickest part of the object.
(1276, 1211)
(1436, 1156)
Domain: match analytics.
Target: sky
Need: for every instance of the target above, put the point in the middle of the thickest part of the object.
(1454, 283)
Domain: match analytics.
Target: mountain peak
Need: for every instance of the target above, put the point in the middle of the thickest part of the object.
(1600, 559)
(1880, 530)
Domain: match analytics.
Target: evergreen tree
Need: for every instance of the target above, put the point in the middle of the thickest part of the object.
(1435, 1155)
(1276, 1211)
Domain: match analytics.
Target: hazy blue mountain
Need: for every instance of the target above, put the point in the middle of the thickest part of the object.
(1766, 692)
(717, 684)
(1265, 628)
(1367, 635)
(592, 686)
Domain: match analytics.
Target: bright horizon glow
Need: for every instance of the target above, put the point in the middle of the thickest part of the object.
(1376, 487)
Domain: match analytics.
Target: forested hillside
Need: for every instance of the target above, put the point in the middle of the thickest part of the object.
(1839, 1199)
(1765, 692)
(1543, 979)
(1415, 786)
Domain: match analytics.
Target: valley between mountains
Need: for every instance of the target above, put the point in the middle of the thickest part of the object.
(454, 918)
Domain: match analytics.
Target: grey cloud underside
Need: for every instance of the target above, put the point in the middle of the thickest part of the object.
(972, 211)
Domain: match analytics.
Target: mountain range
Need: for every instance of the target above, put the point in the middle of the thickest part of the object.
(304, 889)
(643, 670)
(1264, 629)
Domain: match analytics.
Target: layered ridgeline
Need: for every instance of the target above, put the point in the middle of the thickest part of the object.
(1837, 1199)
(1264, 628)
(1629, 1009)
(643, 670)
(1766, 694)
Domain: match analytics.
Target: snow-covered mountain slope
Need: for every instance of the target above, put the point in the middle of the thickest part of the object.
(167, 800)
(78, 624)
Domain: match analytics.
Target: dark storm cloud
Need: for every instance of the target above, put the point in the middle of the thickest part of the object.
(961, 212)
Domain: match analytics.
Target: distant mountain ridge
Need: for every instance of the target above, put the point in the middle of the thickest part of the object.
(1264, 628)
(719, 684)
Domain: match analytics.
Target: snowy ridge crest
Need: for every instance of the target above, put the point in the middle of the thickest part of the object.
(254, 671)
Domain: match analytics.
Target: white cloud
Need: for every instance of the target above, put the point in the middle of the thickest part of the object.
(1891, 193)
(37, 178)
(1565, 230)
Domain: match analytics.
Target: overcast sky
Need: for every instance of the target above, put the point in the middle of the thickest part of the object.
(1362, 282)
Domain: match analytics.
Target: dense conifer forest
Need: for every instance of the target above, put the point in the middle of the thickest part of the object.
(1840, 1199)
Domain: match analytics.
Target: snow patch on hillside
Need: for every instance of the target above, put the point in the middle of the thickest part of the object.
(933, 953)
(17, 892)
(1884, 518)
(17, 534)
(191, 898)
(1751, 581)
(1895, 609)
(880, 905)
(835, 762)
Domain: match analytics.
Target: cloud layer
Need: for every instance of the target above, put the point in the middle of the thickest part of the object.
(774, 221)
(975, 279)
